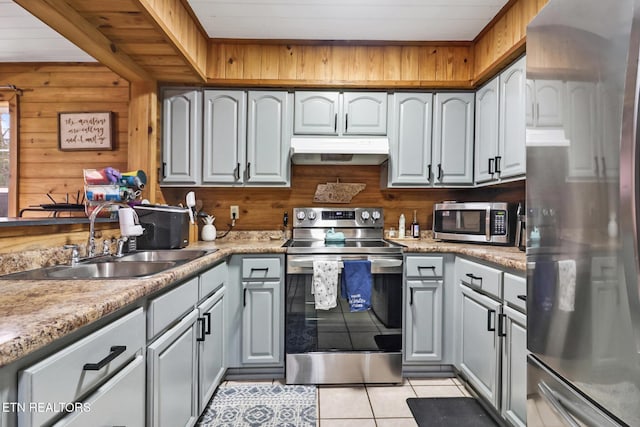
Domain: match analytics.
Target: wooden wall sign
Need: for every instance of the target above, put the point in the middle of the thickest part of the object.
(85, 131)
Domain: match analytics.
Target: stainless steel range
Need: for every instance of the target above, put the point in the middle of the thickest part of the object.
(338, 346)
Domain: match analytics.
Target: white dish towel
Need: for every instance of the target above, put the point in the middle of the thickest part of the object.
(567, 285)
(325, 284)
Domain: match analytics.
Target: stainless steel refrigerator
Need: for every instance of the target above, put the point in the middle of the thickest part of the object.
(583, 214)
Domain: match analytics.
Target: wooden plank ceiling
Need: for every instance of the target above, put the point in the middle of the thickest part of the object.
(138, 39)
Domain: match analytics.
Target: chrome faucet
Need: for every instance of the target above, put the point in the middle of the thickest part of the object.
(91, 244)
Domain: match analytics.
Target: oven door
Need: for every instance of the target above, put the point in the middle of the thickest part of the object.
(336, 345)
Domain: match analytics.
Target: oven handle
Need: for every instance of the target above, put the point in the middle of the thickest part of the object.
(378, 263)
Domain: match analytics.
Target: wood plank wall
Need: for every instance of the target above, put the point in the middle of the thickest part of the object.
(263, 208)
(47, 90)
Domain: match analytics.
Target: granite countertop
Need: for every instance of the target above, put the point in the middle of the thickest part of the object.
(37, 312)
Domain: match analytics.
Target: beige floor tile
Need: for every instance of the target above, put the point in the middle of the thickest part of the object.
(344, 402)
(364, 422)
(390, 401)
(431, 381)
(243, 382)
(396, 422)
(464, 391)
(438, 391)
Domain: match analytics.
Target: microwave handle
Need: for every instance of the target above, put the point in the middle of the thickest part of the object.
(487, 225)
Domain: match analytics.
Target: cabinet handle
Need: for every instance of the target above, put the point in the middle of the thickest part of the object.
(604, 167)
(472, 277)
(439, 171)
(236, 172)
(244, 297)
(429, 172)
(335, 123)
(208, 329)
(522, 297)
(346, 122)
(498, 158)
(491, 171)
(595, 159)
(201, 323)
(115, 351)
(490, 314)
(410, 296)
(501, 325)
(249, 171)
(164, 169)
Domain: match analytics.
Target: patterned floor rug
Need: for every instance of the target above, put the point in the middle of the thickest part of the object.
(261, 405)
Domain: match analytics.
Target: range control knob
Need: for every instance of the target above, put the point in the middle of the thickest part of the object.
(364, 215)
(300, 215)
(312, 215)
(375, 215)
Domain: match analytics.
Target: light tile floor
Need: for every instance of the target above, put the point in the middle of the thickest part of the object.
(378, 405)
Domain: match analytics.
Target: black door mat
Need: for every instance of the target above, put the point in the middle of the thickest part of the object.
(449, 412)
(391, 342)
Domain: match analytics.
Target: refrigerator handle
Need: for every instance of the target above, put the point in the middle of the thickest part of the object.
(556, 404)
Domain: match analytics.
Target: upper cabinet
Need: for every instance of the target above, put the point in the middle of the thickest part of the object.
(232, 138)
(453, 138)
(545, 100)
(182, 136)
(500, 126)
(335, 113)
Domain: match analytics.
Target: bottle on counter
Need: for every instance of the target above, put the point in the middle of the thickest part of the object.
(401, 227)
(415, 227)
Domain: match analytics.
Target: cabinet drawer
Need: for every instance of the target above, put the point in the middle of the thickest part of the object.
(603, 267)
(169, 307)
(480, 276)
(212, 279)
(261, 268)
(515, 291)
(424, 266)
(62, 377)
(124, 392)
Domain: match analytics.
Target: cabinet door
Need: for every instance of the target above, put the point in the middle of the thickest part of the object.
(172, 371)
(225, 123)
(486, 143)
(181, 136)
(211, 361)
(453, 138)
(410, 139)
(549, 96)
(261, 323)
(609, 115)
(423, 321)
(316, 113)
(365, 113)
(268, 138)
(118, 402)
(530, 102)
(479, 343)
(512, 152)
(514, 367)
(579, 129)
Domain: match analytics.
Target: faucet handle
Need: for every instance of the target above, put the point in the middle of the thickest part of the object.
(106, 246)
(75, 256)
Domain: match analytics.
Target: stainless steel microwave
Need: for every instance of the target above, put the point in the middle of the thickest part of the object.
(479, 222)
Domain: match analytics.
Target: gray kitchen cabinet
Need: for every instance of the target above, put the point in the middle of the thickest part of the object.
(211, 347)
(335, 113)
(410, 142)
(172, 373)
(225, 126)
(181, 136)
(453, 138)
(579, 130)
(118, 402)
(261, 323)
(512, 153)
(545, 103)
(514, 366)
(423, 321)
(66, 376)
(609, 102)
(480, 343)
(500, 150)
(268, 138)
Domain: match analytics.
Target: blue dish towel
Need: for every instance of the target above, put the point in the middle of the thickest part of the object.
(356, 284)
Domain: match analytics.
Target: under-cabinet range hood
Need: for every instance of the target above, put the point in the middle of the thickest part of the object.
(339, 151)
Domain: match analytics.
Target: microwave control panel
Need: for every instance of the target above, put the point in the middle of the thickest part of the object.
(499, 222)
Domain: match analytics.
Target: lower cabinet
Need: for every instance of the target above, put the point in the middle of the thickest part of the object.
(480, 343)
(514, 367)
(423, 320)
(172, 375)
(261, 323)
(211, 355)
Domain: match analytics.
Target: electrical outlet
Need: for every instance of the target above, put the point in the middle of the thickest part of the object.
(234, 212)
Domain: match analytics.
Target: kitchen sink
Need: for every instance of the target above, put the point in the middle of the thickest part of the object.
(180, 255)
